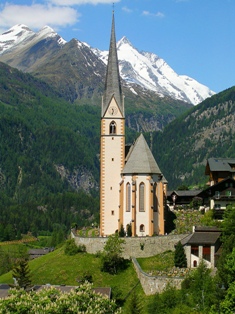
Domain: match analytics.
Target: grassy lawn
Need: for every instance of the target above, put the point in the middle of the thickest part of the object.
(160, 262)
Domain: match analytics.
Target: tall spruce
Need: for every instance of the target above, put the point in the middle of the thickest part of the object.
(180, 259)
(21, 275)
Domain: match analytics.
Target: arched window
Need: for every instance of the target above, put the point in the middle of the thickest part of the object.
(128, 197)
(194, 263)
(141, 197)
(112, 128)
(142, 228)
(155, 202)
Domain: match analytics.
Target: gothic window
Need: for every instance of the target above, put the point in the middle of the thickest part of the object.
(155, 203)
(142, 228)
(112, 128)
(141, 197)
(128, 197)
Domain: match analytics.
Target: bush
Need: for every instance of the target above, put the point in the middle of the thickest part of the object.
(72, 249)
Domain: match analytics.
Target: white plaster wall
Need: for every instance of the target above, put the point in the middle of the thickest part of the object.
(112, 162)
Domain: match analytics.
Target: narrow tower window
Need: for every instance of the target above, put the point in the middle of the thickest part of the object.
(128, 197)
(141, 197)
(112, 128)
(155, 201)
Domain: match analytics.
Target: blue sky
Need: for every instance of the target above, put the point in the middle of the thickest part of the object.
(195, 37)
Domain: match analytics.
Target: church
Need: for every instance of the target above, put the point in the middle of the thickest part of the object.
(132, 187)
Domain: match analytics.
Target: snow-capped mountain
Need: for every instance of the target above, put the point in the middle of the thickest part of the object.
(28, 51)
(153, 73)
(20, 35)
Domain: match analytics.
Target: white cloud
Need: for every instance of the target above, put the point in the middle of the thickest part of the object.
(37, 15)
(158, 14)
(79, 2)
(126, 9)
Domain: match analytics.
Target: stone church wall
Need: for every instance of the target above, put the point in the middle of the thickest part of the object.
(134, 247)
(155, 284)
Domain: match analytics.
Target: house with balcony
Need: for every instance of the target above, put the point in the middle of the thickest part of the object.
(218, 169)
(219, 196)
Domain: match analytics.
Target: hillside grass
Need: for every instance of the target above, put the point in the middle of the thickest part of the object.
(56, 268)
(160, 262)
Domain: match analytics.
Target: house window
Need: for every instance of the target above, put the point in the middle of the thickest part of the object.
(142, 228)
(217, 194)
(112, 212)
(141, 197)
(194, 263)
(228, 193)
(112, 128)
(128, 197)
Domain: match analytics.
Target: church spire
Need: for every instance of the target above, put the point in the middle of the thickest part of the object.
(113, 81)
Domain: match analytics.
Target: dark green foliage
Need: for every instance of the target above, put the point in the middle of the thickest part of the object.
(86, 277)
(72, 249)
(135, 304)
(165, 302)
(188, 141)
(180, 259)
(122, 232)
(200, 288)
(21, 275)
(112, 261)
(129, 231)
(196, 202)
(10, 255)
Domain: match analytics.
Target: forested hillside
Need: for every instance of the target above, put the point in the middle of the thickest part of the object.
(207, 130)
(49, 165)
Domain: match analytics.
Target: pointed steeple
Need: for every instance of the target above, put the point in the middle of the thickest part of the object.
(113, 82)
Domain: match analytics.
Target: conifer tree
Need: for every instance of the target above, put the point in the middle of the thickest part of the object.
(21, 275)
(180, 259)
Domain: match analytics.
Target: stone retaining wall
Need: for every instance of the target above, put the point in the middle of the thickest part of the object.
(155, 284)
(134, 247)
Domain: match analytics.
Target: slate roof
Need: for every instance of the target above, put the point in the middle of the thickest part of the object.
(140, 159)
(184, 192)
(202, 235)
(204, 238)
(221, 164)
(112, 81)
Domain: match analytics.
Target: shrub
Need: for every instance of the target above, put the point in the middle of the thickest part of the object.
(71, 248)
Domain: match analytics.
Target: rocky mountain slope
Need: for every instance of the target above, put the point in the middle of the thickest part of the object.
(151, 72)
(20, 47)
(78, 75)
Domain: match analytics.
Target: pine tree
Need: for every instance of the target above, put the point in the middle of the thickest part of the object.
(180, 259)
(122, 232)
(135, 305)
(21, 275)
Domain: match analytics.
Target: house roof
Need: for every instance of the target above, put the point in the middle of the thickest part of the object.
(216, 187)
(198, 238)
(140, 159)
(184, 192)
(220, 164)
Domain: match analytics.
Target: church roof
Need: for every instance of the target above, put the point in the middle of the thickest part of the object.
(140, 159)
(113, 81)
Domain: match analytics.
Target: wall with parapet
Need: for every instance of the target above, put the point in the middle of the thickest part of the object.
(135, 246)
(155, 284)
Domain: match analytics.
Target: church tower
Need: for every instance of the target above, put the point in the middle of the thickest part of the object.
(112, 143)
